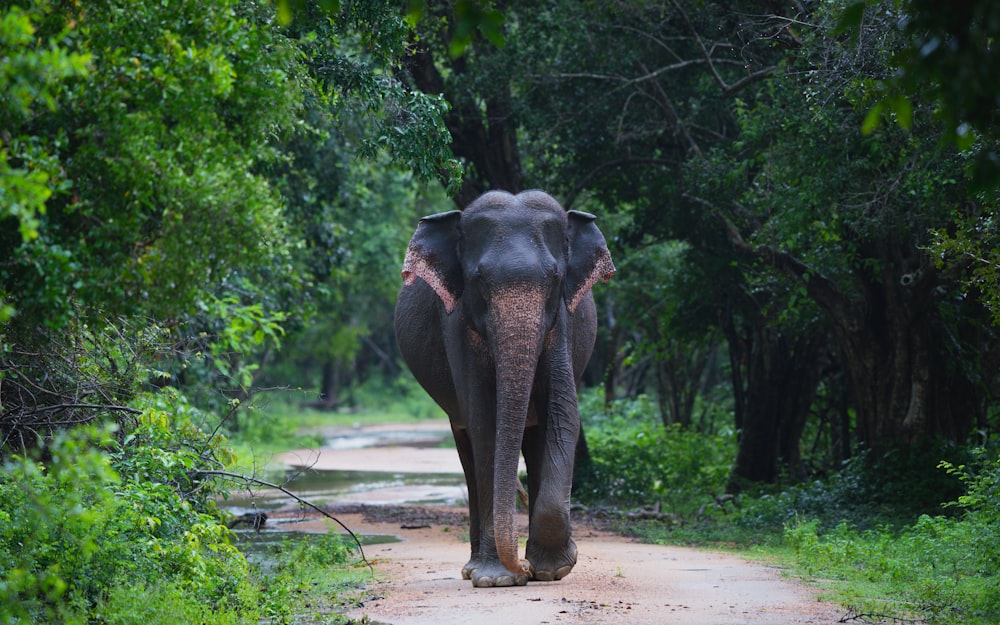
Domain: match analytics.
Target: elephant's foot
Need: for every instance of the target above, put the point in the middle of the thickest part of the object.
(551, 565)
(472, 565)
(493, 574)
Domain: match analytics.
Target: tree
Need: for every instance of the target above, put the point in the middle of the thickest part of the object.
(947, 59)
(148, 154)
(156, 197)
(353, 216)
(137, 154)
(474, 80)
(602, 105)
(847, 217)
(618, 100)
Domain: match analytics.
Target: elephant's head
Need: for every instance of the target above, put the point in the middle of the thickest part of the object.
(517, 267)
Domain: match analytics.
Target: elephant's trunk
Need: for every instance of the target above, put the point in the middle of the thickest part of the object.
(517, 316)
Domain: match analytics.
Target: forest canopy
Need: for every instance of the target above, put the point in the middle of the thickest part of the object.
(203, 200)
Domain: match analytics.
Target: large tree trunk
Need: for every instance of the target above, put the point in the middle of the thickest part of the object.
(682, 372)
(905, 389)
(906, 386)
(777, 376)
(484, 138)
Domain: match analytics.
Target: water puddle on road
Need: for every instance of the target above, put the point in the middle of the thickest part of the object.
(332, 489)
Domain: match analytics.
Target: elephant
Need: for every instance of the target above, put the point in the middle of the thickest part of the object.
(496, 320)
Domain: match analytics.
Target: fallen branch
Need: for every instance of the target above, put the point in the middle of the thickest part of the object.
(254, 480)
(877, 619)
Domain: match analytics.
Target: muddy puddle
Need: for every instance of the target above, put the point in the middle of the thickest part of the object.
(380, 465)
(331, 488)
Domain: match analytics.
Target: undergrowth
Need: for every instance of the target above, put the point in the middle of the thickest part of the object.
(635, 461)
(908, 537)
(108, 526)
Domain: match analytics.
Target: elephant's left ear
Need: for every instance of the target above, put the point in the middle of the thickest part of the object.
(589, 259)
(433, 256)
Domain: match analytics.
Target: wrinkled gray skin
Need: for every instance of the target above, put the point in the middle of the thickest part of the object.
(497, 322)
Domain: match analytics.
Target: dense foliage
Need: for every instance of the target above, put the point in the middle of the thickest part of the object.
(169, 173)
(201, 200)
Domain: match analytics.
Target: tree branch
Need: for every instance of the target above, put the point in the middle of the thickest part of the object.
(727, 89)
(254, 480)
(590, 175)
(62, 407)
(671, 110)
(820, 288)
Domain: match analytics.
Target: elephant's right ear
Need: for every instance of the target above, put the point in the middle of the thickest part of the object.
(433, 257)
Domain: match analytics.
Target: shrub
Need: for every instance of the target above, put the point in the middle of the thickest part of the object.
(90, 519)
(937, 568)
(635, 460)
(893, 490)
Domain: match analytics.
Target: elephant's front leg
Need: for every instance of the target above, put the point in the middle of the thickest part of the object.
(549, 452)
(485, 569)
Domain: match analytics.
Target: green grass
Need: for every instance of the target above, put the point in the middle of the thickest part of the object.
(312, 579)
(935, 569)
(908, 537)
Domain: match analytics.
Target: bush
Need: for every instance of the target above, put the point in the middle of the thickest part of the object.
(891, 491)
(120, 527)
(635, 460)
(936, 569)
(90, 519)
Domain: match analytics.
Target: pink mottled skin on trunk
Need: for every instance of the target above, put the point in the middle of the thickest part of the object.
(516, 321)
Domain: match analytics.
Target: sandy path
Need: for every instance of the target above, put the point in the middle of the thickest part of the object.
(615, 581)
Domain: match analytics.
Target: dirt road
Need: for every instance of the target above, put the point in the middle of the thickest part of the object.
(616, 581)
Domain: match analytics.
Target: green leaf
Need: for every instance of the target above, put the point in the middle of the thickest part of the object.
(415, 11)
(850, 19)
(330, 6)
(903, 110)
(285, 12)
(873, 119)
(965, 137)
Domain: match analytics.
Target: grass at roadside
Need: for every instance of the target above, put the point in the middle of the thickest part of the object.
(913, 540)
(312, 579)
